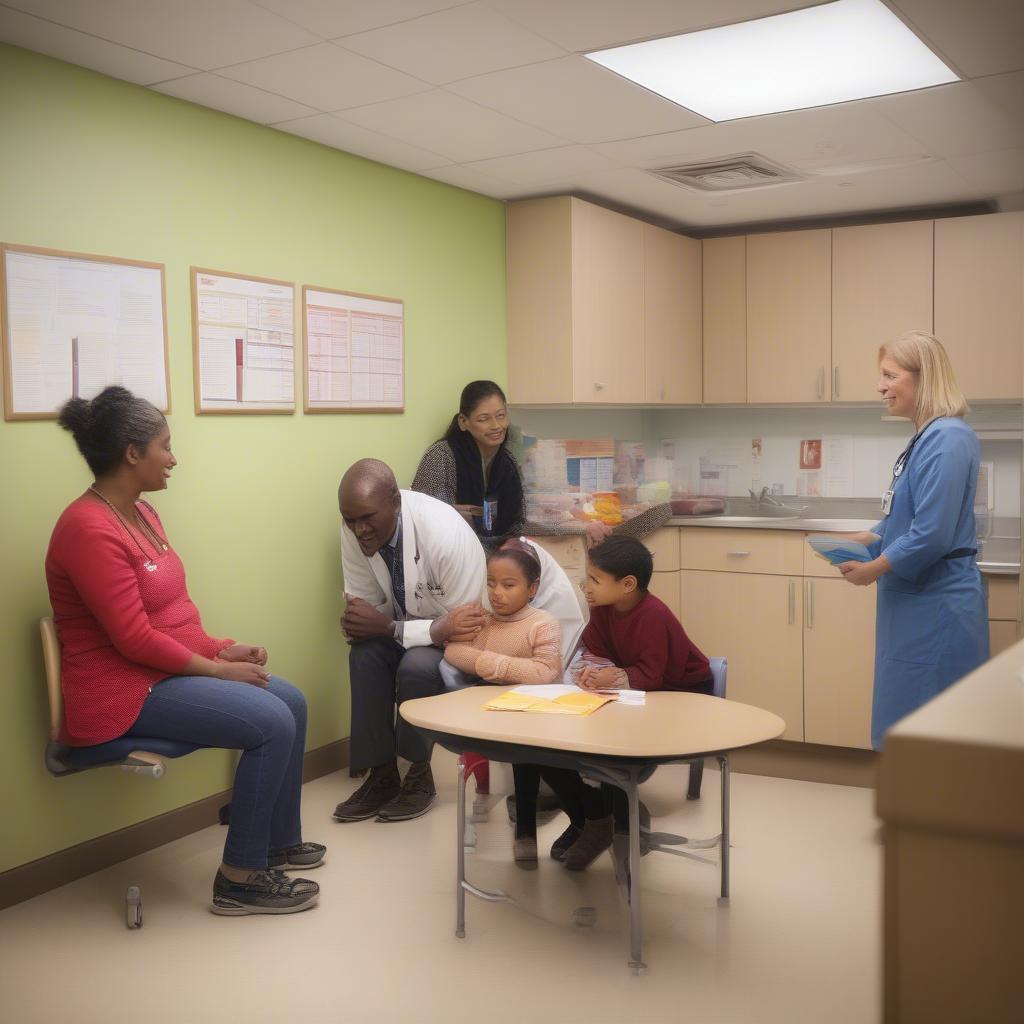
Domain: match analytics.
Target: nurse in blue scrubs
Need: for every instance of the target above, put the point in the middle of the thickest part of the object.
(931, 625)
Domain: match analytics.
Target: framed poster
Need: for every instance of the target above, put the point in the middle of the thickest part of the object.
(74, 323)
(243, 343)
(354, 352)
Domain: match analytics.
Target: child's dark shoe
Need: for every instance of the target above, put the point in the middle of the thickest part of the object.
(593, 841)
(564, 841)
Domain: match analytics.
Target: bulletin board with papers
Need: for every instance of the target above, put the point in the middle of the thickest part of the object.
(243, 343)
(75, 323)
(354, 352)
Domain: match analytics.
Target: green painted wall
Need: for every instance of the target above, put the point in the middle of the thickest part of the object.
(95, 165)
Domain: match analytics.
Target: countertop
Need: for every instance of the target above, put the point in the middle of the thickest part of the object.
(956, 764)
(999, 552)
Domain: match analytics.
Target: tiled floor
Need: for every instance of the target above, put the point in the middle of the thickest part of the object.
(799, 943)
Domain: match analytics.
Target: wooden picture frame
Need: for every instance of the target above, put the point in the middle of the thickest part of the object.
(371, 306)
(12, 408)
(257, 407)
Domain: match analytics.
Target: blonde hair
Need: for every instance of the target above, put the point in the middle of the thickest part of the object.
(938, 393)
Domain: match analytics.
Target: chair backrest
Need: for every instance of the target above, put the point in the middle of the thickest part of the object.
(719, 671)
(51, 659)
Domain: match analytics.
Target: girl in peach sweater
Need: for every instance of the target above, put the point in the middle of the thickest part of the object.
(519, 644)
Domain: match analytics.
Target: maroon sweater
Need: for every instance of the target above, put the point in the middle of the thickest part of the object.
(649, 643)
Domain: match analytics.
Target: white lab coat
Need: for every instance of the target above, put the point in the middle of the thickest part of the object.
(559, 597)
(443, 562)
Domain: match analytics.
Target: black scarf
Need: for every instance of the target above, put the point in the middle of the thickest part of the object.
(503, 484)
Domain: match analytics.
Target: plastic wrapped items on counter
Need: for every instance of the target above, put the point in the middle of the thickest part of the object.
(685, 506)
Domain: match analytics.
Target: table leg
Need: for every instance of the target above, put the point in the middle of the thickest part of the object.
(723, 762)
(636, 964)
(460, 888)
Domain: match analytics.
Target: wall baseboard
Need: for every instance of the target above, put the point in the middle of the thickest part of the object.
(808, 762)
(57, 869)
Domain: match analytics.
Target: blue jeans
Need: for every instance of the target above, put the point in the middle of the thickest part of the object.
(268, 726)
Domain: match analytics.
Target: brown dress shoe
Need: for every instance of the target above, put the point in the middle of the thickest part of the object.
(415, 796)
(382, 784)
(593, 841)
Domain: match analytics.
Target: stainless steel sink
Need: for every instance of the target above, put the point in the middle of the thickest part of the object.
(758, 518)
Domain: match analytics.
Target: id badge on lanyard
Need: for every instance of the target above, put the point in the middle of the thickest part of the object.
(887, 502)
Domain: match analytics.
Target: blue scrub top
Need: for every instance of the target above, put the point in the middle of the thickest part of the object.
(931, 625)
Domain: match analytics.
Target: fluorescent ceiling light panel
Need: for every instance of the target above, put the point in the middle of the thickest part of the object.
(846, 50)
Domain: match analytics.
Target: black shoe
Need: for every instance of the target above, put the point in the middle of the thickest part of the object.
(564, 841)
(297, 858)
(414, 798)
(382, 785)
(595, 839)
(263, 893)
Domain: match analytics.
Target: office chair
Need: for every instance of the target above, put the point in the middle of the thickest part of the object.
(132, 754)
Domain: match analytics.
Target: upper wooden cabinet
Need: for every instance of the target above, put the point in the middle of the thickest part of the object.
(602, 308)
(789, 316)
(672, 317)
(881, 288)
(979, 301)
(725, 319)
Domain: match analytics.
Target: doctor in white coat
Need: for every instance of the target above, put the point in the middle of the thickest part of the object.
(414, 578)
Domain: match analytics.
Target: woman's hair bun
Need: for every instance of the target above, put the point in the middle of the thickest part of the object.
(74, 415)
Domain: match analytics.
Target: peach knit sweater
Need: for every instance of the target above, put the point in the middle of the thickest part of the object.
(520, 648)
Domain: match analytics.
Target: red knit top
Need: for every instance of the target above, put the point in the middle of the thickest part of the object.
(122, 626)
(649, 643)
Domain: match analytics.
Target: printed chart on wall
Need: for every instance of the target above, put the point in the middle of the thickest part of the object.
(355, 352)
(243, 336)
(75, 323)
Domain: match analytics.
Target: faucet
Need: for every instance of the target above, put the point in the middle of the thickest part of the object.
(764, 498)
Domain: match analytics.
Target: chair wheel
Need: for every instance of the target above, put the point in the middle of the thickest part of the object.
(133, 907)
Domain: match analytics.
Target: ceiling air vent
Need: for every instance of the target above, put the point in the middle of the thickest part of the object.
(729, 173)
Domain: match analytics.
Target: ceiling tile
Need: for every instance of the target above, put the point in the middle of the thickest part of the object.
(952, 120)
(85, 50)
(332, 18)
(995, 174)
(578, 100)
(332, 131)
(453, 44)
(233, 98)
(472, 181)
(592, 24)
(202, 34)
(821, 137)
(544, 166)
(1007, 92)
(447, 124)
(326, 77)
(982, 37)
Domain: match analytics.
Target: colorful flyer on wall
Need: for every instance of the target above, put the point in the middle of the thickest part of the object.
(243, 335)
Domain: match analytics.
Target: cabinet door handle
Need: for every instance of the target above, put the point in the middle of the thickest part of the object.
(809, 603)
(737, 554)
(792, 602)
(835, 382)
(821, 382)
(599, 387)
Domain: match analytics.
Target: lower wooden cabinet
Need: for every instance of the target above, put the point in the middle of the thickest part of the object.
(756, 622)
(1003, 630)
(666, 585)
(839, 662)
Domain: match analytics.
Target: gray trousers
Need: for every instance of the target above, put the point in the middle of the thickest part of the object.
(383, 674)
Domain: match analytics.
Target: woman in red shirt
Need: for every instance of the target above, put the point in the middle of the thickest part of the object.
(136, 661)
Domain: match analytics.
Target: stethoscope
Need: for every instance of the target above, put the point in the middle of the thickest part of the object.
(898, 467)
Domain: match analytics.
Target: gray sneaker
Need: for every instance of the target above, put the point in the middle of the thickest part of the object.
(414, 798)
(595, 838)
(381, 785)
(297, 858)
(263, 892)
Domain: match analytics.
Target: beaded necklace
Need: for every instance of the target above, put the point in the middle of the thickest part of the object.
(149, 565)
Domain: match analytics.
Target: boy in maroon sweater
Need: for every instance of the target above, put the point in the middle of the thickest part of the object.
(632, 628)
(648, 650)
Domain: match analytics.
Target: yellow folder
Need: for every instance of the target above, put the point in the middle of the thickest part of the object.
(568, 704)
